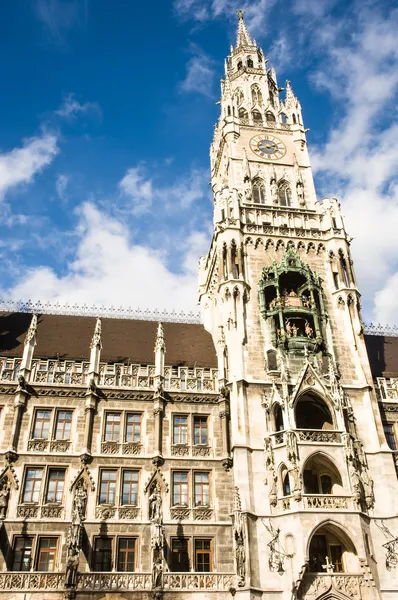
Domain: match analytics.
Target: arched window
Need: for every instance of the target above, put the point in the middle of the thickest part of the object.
(228, 111)
(270, 117)
(257, 118)
(284, 193)
(278, 416)
(320, 476)
(312, 413)
(257, 97)
(330, 544)
(258, 190)
(272, 361)
(294, 119)
(283, 118)
(285, 478)
(272, 99)
(243, 114)
(240, 65)
(250, 62)
(326, 484)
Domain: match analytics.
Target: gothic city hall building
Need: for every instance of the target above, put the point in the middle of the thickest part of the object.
(252, 454)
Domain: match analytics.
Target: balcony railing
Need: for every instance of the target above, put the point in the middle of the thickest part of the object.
(31, 581)
(316, 436)
(329, 501)
(353, 585)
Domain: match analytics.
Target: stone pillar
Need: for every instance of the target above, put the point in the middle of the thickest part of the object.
(22, 393)
(158, 397)
(92, 392)
(224, 412)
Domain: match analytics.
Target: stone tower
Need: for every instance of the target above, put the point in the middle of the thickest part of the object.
(278, 295)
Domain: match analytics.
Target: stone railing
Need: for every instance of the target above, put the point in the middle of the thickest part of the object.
(132, 376)
(319, 436)
(198, 581)
(108, 582)
(31, 581)
(329, 501)
(387, 389)
(285, 503)
(315, 584)
(277, 438)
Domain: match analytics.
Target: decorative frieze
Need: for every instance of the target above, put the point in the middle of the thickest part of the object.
(59, 446)
(114, 581)
(37, 445)
(201, 451)
(315, 584)
(105, 512)
(51, 511)
(31, 581)
(319, 436)
(202, 513)
(180, 513)
(180, 450)
(110, 447)
(328, 502)
(128, 512)
(132, 448)
(27, 511)
(198, 581)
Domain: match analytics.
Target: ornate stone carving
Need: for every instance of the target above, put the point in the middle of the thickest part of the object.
(37, 445)
(27, 511)
(202, 513)
(391, 546)
(110, 447)
(4, 496)
(201, 451)
(51, 511)
(105, 512)
(322, 437)
(180, 450)
(128, 512)
(59, 446)
(240, 540)
(79, 503)
(132, 448)
(180, 513)
(328, 502)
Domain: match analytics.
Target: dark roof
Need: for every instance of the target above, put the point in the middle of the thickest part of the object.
(122, 339)
(383, 355)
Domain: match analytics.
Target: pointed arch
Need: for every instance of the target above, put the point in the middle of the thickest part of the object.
(321, 248)
(311, 411)
(156, 477)
(239, 97)
(311, 247)
(284, 193)
(249, 62)
(269, 244)
(280, 244)
(9, 474)
(243, 114)
(258, 190)
(85, 475)
(321, 475)
(257, 117)
(257, 96)
(259, 242)
(329, 534)
(284, 478)
(283, 117)
(300, 247)
(270, 117)
(294, 119)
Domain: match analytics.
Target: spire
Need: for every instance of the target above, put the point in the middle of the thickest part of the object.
(31, 334)
(243, 37)
(96, 340)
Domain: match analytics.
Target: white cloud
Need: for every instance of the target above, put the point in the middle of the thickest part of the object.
(143, 193)
(200, 75)
(20, 165)
(61, 183)
(359, 162)
(72, 108)
(60, 15)
(108, 269)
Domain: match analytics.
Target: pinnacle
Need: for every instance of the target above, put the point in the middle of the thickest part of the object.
(243, 37)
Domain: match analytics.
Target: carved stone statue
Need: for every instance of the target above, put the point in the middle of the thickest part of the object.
(157, 537)
(274, 191)
(240, 556)
(300, 193)
(355, 482)
(72, 564)
(155, 505)
(4, 497)
(79, 501)
(291, 446)
(157, 570)
(273, 491)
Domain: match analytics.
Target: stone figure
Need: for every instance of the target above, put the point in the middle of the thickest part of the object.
(273, 492)
(300, 193)
(274, 191)
(4, 497)
(291, 446)
(157, 537)
(240, 556)
(155, 505)
(157, 570)
(355, 482)
(72, 564)
(80, 501)
(309, 332)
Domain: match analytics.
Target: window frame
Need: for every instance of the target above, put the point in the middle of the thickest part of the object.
(391, 435)
(95, 553)
(32, 551)
(25, 479)
(55, 425)
(173, 553)
(180, 416)
(39, 551)
(129, 538)
(116, 499)
(188, 474)
(106, 414)
(121, 495)
(51, 469)
(196, 553)
(34, 421)
(202, 484)
(134, 424)
(200, 416)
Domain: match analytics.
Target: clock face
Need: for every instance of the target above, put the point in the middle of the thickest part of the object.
(269, 147)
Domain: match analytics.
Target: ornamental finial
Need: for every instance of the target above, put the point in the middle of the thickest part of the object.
(240, 13)
(96, 341)
(31, 331)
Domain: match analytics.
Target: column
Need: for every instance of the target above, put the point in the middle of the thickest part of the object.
(92, 393)
(158, 397)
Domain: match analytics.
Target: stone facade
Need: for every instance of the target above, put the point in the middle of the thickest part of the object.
(254, 457)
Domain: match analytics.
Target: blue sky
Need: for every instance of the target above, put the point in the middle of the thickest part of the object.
(106, 117)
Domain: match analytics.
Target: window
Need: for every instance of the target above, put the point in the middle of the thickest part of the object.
(336, 555)
(336, 280)
(272, 360)
(286, 484)
(103, 554)
(278, 416)
(32, 485)
(47, 554)
(250, 63)
(259, 191)
(283, 118)
(130, 487)
(133, 427)
(63, 425)
(257, 118)
(180, 430)
(180, 488)
(390, 437)
(179, 555)
(55, 485)
(201, 483)
(243, 114)
(326, 484)
(240, 65)
(22, 555)
(272, 100)
(294, 119)
(270, 117)
(126, 555)
(203, 557)
(284, 193)
(257, 97)
(200, 430)
(107, 487)
(112, 427)
(42, 424)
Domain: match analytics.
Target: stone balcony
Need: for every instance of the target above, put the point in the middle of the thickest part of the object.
(315, 436)
(352, 585)
(112, 582)
(317, 502)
